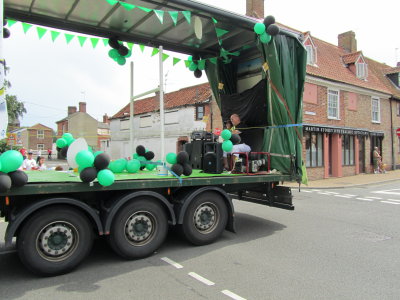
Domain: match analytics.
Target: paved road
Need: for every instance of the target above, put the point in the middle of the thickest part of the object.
(337, 244)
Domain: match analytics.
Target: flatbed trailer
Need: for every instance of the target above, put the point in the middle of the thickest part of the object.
(55, 216)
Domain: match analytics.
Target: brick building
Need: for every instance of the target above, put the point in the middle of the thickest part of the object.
(36, 137)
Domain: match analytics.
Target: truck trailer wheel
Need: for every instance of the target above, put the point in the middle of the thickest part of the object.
(205, 218)
(138, 229)
(55, 240)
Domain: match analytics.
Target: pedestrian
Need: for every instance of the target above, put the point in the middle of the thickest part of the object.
(23, 152)
(29, 163)
(49, 151)
(41, 165)
(39, 154)
(377, 159)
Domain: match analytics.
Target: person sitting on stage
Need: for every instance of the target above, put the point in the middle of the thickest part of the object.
(238, 127)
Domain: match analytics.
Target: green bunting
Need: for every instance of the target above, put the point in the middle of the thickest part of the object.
(130, 45)
(112, 2)
(175, 60)
(26, 27)
(213, 60)
(145, 9)
(82, 40)
(220, 32)
(68, 37)
(11, 22)
(41, 32)
(94, 42)
(187, 63)
(174, 16)
(141, 48)
(164, 56)
(214, 21)
(155, 51)
(54, 35)
(127, 6)
(201, 64)
(160, 15)
(187, 14)
(105, 42)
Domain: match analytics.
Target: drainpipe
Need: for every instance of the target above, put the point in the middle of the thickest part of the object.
(391, 134)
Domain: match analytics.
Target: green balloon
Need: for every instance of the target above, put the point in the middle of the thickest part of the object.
(133, 166)
(226, 134)
(265, 38)
(121, 60)
(135, 155)
(117, 166)
(192, 66)
(227, 146)
(0, 166)
(61, 143)
(96, 153)
(129, 54)
(84, 158)
(113, 53)
(171, 158)
(67, 136)
(10, 161)
(190, 58)
(259, 28)
(150, 167)
(105, 177)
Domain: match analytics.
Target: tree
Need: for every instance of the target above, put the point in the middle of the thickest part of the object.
(15, 108)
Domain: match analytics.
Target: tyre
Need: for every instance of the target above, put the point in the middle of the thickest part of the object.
(205, 219)
(55, 240)
(138, 229)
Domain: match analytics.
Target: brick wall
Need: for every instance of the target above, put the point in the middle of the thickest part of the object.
(47, 141)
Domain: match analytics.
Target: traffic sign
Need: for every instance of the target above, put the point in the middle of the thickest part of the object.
(398, 131)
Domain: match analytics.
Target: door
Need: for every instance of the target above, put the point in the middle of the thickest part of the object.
(330, 154)
(361, 154)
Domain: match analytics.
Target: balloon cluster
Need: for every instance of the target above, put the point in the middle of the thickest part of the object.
(141, 159)
(266, 29)
(63, 144)
(92, 166)
(180, 163)
(230, 139)
(195, 66)
(10, 176)
(6, 31)
(119, 52)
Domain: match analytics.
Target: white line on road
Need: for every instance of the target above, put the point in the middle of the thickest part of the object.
(334, 193)
(305, 191)
(232, 295)
(350, 195)
(390, 202)
(343, 196)
(364, 199)
(324, 193)
(377, 198)
(172, 263)
(394, 200)
(201, 278)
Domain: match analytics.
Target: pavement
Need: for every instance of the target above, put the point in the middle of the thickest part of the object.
(349, 181)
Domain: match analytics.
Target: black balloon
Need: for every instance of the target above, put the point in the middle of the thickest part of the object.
(88, 174)
(269, 20)
(235, 139)
(123, 50)
(187, 169)
(149, 155)
(6, 33)
(197, 73)
(177, 169)
(182, 157)
(5, 182)
(195, 58)
(18, 178)
(64, 151)
(113, 42)
(140, 150)
(273, 29)
(4, 22)
(101, 161)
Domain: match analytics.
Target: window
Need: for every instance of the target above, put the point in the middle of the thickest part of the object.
(310, 55)
(333, 104)
(376, 110)
(199, 112)
(145, 121)
(362, 70)
(314, 149)
(40, 134)
(124, 125)
(171, 117)
(347, 150)
(40, 146)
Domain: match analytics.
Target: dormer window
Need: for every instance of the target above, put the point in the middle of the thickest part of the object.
(361, 68)
(311, 51)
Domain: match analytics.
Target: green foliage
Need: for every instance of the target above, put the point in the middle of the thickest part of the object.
(15, 108)
(4, 147)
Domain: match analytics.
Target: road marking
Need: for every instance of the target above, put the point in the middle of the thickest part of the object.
(388, 192)
(332, 193)
(390, 202)
(343, 196)
(377, 198)
(172, 263)
(394, 200)
(324, 193)
(350, 195)
(305, 191)
(201, 278)
(232, 295)
(364, 199)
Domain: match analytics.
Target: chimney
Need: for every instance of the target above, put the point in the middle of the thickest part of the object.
(105, 119)
(348, 41)
(255, 8)
(82, 107)
(71, 110)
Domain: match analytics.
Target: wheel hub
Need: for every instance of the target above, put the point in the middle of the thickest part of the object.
(139, 228)
(205, 217)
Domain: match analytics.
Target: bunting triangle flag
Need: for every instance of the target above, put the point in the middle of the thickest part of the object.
(54, 35)
(174, 16)
(155, 51)
(187, 63)
(141, 48)
(164, 56)
(105, 42)
(175, 60)
(213, 60)
(82, 40)
(68, 37)
(201, 64)
(220, 32)
(112, 2)
(41, 32)
(11, 22)
(130, 45)
(160, 15)
(214, 21)
(94, 42)
(127, 6)
(187, 14)
(26, 27)
(145, 9)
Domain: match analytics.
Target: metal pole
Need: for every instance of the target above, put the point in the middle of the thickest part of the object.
(131, 115)
(162, 102)
(3, 102)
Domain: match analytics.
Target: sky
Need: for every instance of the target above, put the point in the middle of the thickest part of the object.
(50, 76)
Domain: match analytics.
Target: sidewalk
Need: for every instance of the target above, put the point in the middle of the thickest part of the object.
(349, 181)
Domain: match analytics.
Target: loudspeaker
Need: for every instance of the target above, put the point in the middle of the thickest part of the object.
(195, 151)
(203, 135)
(212, 159)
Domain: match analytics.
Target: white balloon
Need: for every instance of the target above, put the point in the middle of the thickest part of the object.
(73, 149)
(198, 27)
